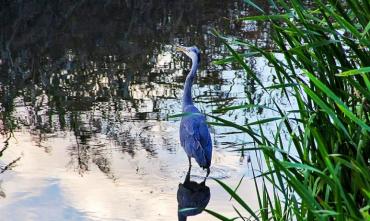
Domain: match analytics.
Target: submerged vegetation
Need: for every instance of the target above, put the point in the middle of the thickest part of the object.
(321, 61)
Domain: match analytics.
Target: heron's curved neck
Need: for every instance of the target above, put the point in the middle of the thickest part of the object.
(186, 98)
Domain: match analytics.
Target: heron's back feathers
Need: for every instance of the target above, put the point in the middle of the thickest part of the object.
(195, 137)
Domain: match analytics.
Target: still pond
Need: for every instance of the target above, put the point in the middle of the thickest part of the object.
(87, 91)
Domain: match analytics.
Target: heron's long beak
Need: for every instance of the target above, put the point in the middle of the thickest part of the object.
(180, 48)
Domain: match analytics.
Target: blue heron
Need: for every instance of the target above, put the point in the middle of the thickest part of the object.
(194, 134)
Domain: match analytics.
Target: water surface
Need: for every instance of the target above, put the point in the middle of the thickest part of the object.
(87, 89)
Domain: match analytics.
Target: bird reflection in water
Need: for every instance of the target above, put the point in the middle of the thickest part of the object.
(2, 194)
(192, 197)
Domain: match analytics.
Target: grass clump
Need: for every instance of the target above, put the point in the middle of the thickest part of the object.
(325, 71)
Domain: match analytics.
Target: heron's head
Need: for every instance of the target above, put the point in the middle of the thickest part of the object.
(192, 52)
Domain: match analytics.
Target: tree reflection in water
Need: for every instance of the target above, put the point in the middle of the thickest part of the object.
(95, 68)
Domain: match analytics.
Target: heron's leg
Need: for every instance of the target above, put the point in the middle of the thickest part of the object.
(208, 171)
(189, 163)
(187, 178)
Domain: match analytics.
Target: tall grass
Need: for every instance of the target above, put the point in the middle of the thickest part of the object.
(325, 66)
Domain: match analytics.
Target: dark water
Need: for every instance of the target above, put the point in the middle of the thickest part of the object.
(86, 91)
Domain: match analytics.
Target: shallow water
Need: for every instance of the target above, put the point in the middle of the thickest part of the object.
(87, 107)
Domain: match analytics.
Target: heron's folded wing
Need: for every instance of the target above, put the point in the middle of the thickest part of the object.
(205, 140)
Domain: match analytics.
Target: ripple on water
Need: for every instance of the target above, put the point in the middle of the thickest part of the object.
(217, 172)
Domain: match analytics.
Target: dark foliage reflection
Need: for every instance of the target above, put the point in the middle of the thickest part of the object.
(94, 68)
